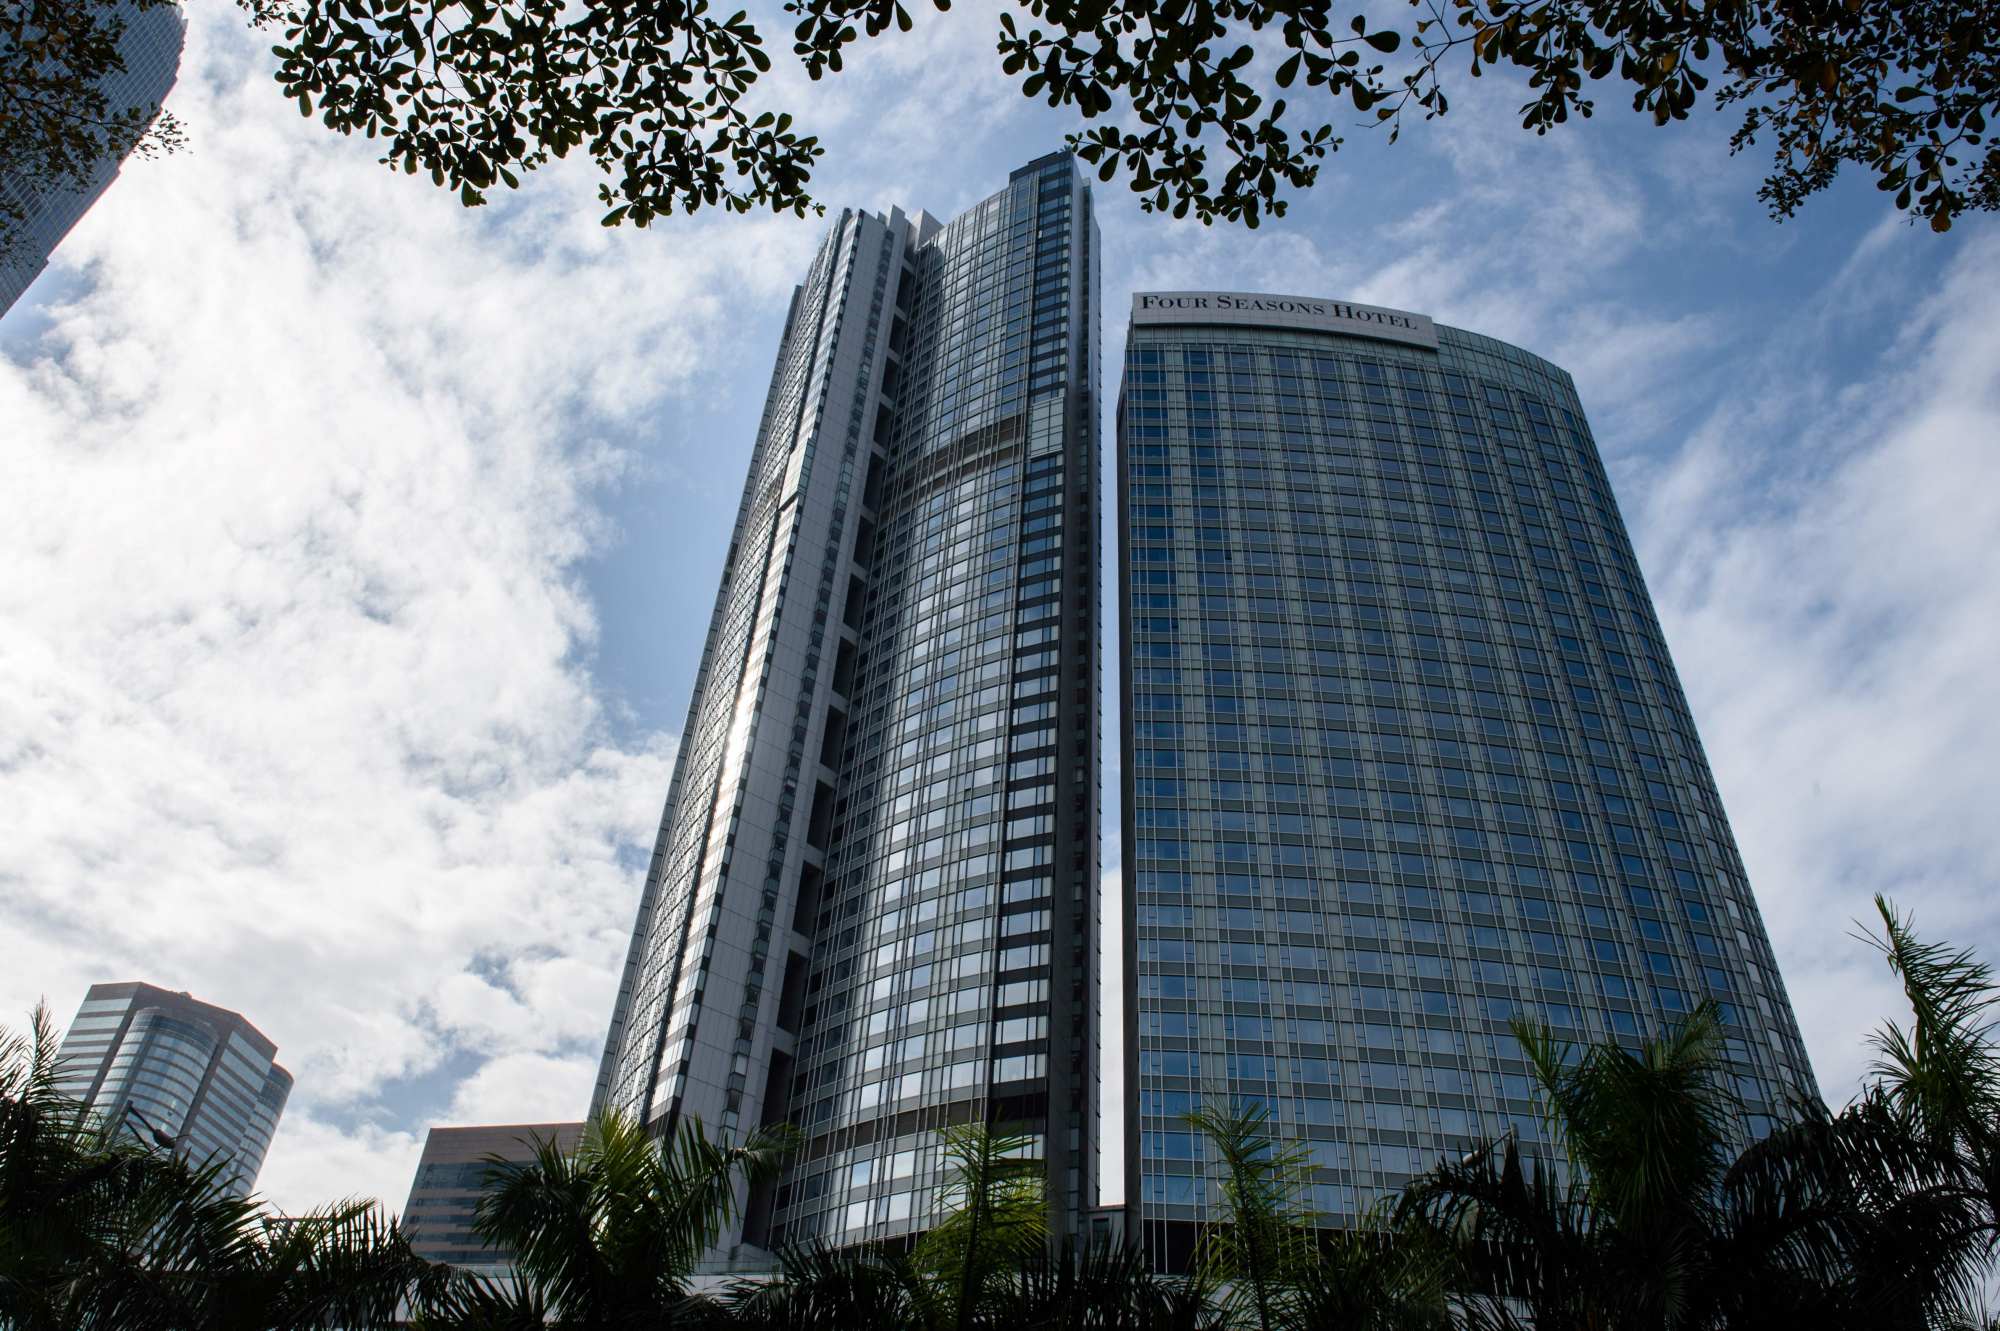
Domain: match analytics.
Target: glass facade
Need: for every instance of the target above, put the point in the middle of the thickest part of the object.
(151, 48)
(451, 1177)
(924, 865)
(159, 1063)
(1405, 756)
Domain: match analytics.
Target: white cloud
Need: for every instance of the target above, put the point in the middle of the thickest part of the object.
(296, 708)
(1823, 558)
(525, 1088)
(295, 702)
(323, 1164)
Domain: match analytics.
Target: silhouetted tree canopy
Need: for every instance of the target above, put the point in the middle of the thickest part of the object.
(1219, 109)
(57, 123)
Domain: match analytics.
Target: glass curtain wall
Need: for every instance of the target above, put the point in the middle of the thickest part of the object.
(953, 974)
(1405, 758)
(871, 908)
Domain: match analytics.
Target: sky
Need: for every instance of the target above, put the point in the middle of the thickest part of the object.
(359, 547)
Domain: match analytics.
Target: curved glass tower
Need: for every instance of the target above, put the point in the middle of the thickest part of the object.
(35, 216)
(871, 908)
(167, 1067)
(1404, 753)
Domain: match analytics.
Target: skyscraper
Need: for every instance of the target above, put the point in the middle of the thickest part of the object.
(870, 911)
(1404, 753)
(39, 215)
(171, 1069)
(451, 1177)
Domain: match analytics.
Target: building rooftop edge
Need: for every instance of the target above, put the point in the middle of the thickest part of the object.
(1278, 311)
(146, 991)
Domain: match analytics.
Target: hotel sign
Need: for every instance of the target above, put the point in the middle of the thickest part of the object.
(1298, 313)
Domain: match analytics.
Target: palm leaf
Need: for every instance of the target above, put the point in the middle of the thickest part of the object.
(821, 1288)
(1943, 1072)
(1263, 1239)
(992, 1204)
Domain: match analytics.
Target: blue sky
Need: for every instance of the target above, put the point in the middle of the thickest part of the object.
(360, 547)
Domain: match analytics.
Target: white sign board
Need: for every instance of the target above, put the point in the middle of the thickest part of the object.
(1300, 313)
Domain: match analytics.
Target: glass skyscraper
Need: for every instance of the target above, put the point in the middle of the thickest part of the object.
(166, 1067)
(1404, 753)
(871, 907)
(36, 217)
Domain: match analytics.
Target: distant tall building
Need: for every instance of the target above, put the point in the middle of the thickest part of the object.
(168, 1067)
(1404, 753)
(151, 47)
(451, 1177)
(871, 908)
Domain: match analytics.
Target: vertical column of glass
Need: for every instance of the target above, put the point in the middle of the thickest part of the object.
(929, 993)
(158, 1071)
(1035, 748)
(653, 1031)
(1052, 827)
(896, 1007)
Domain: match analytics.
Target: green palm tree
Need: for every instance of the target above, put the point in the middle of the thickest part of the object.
(1096, 1287)
(606, 1238)
(1648, 1223)
(982, 1263)
(1845, 1220)
(993, 1217)
(1616, 1236)
(821, 1288)
(1378, 1276)
(1941, 1074)
(1259, 1251)
(100, 1231)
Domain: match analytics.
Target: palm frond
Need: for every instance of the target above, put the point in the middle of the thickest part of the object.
(1852, 1216)
(1646, 1133)
(474, 1302)
(1378, 1276)
(1263, 1237)
(611, 1233)
(1097, 1286)
(1520, 1238)
(1943, 1072)
(992, 1204)
(545, 1211)
(822, 1288)
(693, 1189)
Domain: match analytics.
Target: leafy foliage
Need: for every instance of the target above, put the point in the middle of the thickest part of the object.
(607, 1237)
(1942, 1073)
(99, 1231)
(474, 92)
(1218, 109)
(818, 1286)
(1834, 1221)
(1877, 1217)
(1096, 1287)
(1902, 88)
(993, 1196)
(1378, 1276)
(58, 125)
(1262, 1241)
